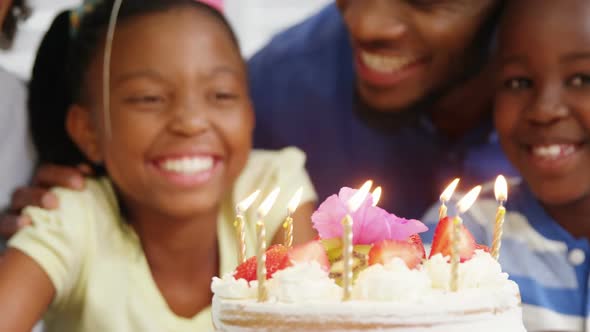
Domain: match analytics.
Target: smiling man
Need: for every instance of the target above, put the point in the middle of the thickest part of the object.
(405, 51)
(392, 90)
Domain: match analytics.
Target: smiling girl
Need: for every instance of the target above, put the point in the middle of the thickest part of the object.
(136, 250)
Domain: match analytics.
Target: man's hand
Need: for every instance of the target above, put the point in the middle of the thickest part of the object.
(38, 194)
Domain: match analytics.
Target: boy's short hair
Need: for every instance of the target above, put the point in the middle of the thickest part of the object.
(19, 10)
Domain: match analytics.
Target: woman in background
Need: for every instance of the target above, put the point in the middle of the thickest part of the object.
(16, 152)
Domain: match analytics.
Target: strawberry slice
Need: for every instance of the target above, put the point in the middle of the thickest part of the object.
(441, 243)
(276, 259)
(411, 251)
(246, 270)
(309, 252)
(482, 247)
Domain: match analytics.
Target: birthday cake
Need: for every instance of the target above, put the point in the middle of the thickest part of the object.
(394, 286)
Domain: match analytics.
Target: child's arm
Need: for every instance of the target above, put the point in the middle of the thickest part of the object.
(25, 292)
(42, 268)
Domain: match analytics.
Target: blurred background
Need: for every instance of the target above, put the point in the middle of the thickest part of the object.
(255, 22)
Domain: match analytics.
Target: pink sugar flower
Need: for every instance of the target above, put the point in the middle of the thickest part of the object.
(372, 224)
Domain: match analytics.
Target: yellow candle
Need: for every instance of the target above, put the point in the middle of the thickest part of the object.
(288, 232)
(498, 230)
(353, 204)
(261, 260)
(462, 206)
(261, 243)
(347, 257)
(288, 223)
(501, 192)
(457, 222)
(239, 224)
(240, 238)
(446, 196)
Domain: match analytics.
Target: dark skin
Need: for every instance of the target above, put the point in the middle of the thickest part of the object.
(4, 5)
(164, 106)
(543, 104)
(409, 52)
(432, 62)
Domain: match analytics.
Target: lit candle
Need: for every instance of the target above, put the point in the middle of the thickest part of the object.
(445, 197)
(288, 224)
(462, 206)
(353, 204)
(376, 194)
(261, 243)
(239, 224)
(347, 256)
(501, 192)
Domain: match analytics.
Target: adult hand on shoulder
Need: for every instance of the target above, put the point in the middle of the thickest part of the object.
(38, 194)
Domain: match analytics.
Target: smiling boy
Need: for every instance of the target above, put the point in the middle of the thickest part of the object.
(542, 116)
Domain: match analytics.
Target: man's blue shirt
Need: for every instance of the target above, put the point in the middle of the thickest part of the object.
(303, 87)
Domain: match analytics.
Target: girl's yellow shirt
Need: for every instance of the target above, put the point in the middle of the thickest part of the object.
(98, 268)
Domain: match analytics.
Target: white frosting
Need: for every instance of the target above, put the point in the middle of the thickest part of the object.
(306, 282)
(392, 282)
(481, 271)
(439, 271)
(229, 288)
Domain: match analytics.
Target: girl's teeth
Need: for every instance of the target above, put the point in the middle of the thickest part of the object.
(553, 151)
(188, 165)
(384, 64)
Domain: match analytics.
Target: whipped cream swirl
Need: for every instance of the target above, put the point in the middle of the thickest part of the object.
(393, 281)
(303, 282)
(481, 271)
(230, 288)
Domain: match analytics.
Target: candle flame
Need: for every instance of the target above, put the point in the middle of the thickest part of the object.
(448, 192)
(501, 189)
(354, 203)
(247, 202)
(294, 202)
(467, 201)
(268, 202)
(376, 195)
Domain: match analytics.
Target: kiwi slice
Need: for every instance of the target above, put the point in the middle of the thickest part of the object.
(360, 258)
(359, 263)
(334, 249)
